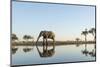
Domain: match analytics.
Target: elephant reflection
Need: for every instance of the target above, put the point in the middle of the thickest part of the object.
(46, 35)
(14, 50)
(27, 49)
(46, 52)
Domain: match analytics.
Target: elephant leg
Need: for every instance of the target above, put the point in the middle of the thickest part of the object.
(43, 44)
(46, 45)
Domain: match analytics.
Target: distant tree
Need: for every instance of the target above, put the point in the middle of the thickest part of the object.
(27, 37)
(85, 34)
(93, 32)
(77, 43)
(77, 39)
(14, 37)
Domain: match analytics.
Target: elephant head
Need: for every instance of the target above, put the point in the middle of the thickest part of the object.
(41, 34)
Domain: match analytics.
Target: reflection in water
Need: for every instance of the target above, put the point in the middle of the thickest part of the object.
(14, 50)
(27, 49)
(85, 51)
(77, 45)
(91, 53)
(63, 53)
(46, 52)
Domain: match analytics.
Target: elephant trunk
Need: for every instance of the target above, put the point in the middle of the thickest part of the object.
(37, 46)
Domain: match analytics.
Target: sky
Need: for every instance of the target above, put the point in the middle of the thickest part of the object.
(66, 21)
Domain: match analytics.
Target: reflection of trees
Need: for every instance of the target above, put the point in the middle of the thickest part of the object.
(27, 49)
(14, 50)
(46, 52)
(77, 45)
(85, 51)
(91, 53)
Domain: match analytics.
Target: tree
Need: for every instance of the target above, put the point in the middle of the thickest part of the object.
(93, 32)
(14, 37)
(77, 43)
(77, 39)
(85, 34)
(27, 37)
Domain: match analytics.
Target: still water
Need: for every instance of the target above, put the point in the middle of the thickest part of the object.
(23, 55)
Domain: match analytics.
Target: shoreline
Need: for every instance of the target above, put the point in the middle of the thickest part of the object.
(50, 42)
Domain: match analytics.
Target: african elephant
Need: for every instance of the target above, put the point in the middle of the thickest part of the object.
(46, 35)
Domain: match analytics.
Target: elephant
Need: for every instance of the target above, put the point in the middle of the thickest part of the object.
(46, 35)
(46, 53)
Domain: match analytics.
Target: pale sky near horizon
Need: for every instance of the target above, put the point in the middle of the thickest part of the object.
(66, 21)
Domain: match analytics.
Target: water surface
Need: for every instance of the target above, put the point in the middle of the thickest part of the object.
(23, 55)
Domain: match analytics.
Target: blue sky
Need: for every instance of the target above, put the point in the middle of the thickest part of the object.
(66, 21)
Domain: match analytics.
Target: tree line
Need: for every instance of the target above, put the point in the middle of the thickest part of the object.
(25, 37)
(91, 31)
